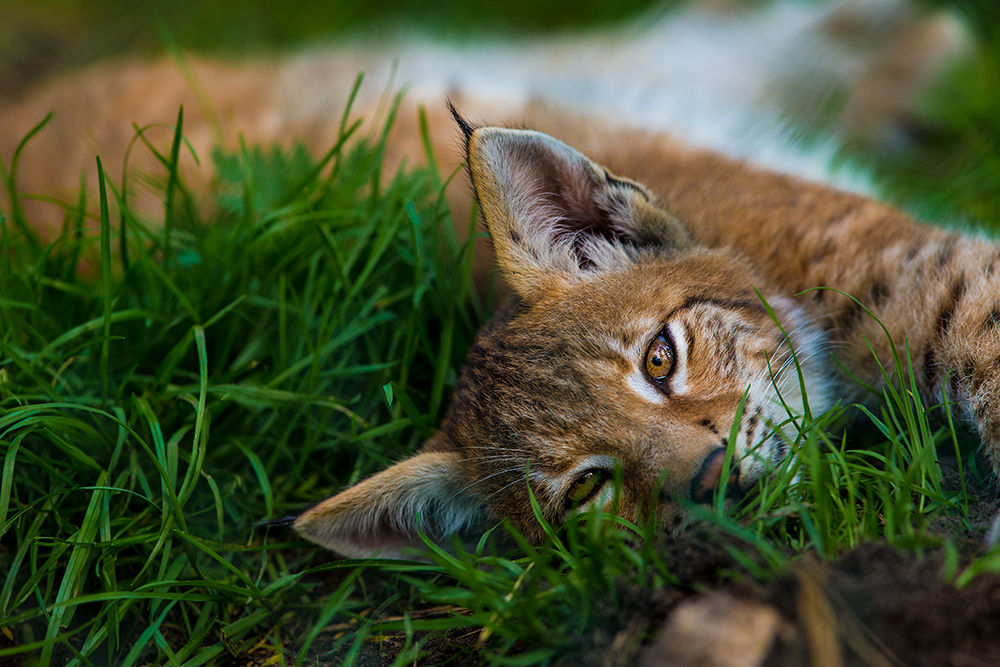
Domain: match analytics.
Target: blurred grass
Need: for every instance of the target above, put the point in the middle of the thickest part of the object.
(41, 37)
(953, 168)
(950, 169)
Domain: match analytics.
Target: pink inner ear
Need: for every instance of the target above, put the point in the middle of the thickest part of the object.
(554, 215)
(384, 541)
(571, 208)
(378, 516)
(563, 194)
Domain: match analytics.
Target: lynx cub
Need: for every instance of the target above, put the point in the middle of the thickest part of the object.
(634, 330)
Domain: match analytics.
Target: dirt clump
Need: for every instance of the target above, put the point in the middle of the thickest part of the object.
(873, 607)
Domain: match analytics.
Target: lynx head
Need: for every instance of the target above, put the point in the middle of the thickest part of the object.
(624, 346)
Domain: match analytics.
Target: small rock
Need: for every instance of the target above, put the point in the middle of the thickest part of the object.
(715, 630)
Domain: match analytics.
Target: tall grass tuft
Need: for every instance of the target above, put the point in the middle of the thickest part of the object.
(219, 370)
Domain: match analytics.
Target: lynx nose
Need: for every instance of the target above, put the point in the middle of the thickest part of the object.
(709, 477)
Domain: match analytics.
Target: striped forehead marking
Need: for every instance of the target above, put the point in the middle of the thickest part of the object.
(728, 304)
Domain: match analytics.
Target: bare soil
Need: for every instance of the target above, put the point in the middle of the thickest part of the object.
(874, 606)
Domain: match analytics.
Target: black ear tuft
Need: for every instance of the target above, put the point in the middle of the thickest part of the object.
(463, 124)
(277, 523)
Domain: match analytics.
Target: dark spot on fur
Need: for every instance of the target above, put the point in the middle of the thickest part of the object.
(783, 449)
(947, 252)
(823, 250)
(850, 315)
(707, 423)
(841, 216)
(948, 310)
(944, 320)
(878, 293)
(912, 252)
(992, 320)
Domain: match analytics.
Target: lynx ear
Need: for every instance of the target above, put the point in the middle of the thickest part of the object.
(554, 214)
(378, 517)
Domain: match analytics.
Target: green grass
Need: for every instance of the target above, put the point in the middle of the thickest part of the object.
(216, 372)
(949, 172)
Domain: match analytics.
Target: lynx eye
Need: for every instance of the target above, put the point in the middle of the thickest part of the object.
(586, 486)
(660, 358)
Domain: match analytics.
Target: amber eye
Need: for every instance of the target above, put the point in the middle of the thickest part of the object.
(660, 358)
(586, 487)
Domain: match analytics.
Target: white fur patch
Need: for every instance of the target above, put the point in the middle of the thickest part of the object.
(641, 387)
(710, 78)
(678, 379)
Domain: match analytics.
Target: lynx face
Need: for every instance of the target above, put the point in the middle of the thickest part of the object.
(624, 347)
(643, 368)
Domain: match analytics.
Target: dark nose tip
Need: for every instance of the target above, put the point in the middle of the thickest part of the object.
(709, 478)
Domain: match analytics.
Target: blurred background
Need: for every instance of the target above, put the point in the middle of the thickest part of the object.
(41, 37)
(947, 168)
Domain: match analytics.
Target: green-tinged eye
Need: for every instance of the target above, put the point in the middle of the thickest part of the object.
(660, 358)
(586, 487)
